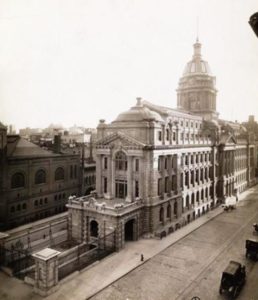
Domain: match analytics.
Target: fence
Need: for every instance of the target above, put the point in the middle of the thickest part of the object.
(83, 255)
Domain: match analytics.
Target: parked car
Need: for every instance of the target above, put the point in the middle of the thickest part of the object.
(251, 246)
(233, 279)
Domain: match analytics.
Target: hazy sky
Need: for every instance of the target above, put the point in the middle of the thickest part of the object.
(77, 61)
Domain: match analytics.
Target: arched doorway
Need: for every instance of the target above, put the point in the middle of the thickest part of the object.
(129, 230)
(94, 228)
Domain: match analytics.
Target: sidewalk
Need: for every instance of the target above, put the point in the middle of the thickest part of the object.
(88, 283)
(85, 284)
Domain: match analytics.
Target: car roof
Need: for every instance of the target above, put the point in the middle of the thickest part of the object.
(232, 267)
(252, 240)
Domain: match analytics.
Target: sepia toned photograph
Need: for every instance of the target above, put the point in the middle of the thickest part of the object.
(128, 149)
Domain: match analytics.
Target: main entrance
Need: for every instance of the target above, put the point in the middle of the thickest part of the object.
(94, 228)
(129, 230)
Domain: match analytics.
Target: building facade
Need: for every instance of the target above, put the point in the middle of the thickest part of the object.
(158, 168)
(34, 183)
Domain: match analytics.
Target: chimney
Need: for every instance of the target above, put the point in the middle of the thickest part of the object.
(57, 144)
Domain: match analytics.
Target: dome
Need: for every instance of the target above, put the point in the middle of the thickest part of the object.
(197, 65)
(138, 113)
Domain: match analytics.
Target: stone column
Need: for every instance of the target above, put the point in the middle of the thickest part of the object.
(169, 163)
(162, 175)
(99, 188)
(163, 134)
(129, 197)
(46, 271)
(170, 134)
(109, 178)
(113, 185)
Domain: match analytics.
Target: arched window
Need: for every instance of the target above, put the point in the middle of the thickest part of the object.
(18, 181)
(12, 209)
(169, 211)
(18, 207)
(192, 201)
(121, 161)
(175, 209)
(40, 177)
(161, 214)
(187, 202)
(59, 174)
(24, 206)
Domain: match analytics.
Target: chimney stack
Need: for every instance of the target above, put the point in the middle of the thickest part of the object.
(57, 144)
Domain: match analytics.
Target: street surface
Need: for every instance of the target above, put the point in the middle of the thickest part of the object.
(193, 266)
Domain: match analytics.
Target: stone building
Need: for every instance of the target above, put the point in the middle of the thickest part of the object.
(159, 168)
(34, 183)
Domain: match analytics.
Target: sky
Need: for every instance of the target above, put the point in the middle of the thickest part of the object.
(79, 61)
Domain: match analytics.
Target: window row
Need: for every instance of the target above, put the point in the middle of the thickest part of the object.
(89, 180)
(18, 207)
(166, 185)
(195, 158)
(121, 188)
(196, 176)
(40, 202)
(18, 179)
(168, 212)
(167, 162)
(121, 162)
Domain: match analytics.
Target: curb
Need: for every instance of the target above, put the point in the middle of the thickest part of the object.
(149, 258)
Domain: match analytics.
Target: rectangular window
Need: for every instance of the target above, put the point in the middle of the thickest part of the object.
(71, 172)
(159, 135)
(136, 188)
(105, 163)
(166, 163)
(174, 136)
(159, 186)
(121, 189)
(105, 184)
(174, 182)
(167, 134)
(166, 184)
(136, 165)
(159, 163)
(182, 136)
(75, 171)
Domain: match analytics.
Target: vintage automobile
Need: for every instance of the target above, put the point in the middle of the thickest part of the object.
(233, 279)
(251, 246)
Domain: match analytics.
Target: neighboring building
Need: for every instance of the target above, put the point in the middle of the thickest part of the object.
(159, 168)
(89, 177)
(34, 183)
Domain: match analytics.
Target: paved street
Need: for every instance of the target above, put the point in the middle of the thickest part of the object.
(193, 266)
(186, 263)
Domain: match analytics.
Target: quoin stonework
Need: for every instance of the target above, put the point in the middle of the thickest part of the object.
(159, 168)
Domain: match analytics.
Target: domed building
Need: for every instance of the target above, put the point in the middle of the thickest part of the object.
(159, 168)
(197, 87)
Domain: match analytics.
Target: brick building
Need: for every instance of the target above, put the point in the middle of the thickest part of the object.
(34, 183)
(159, 168)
